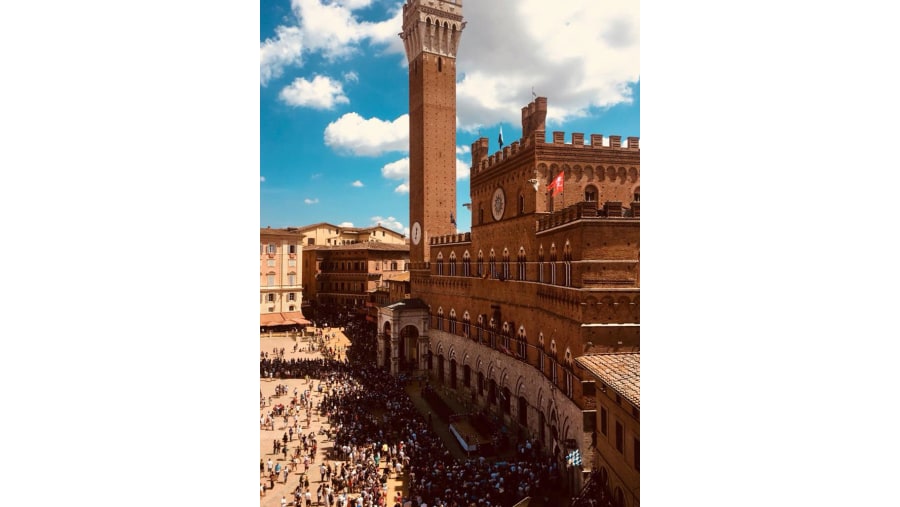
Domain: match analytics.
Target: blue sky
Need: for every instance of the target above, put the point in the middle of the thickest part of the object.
(333, 96)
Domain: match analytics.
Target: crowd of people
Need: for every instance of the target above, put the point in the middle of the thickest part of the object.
(377, 434)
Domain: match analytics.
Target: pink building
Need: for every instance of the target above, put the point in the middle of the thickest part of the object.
(280, 287)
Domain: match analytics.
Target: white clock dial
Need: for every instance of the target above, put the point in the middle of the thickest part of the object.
(416, 233)
(498, 204)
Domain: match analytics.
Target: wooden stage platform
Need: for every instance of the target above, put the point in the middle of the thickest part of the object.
(465, 434)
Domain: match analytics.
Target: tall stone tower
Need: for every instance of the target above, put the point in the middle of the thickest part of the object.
(431, 32)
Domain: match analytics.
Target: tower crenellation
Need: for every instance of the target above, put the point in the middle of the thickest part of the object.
(479, 151)
(534, 116)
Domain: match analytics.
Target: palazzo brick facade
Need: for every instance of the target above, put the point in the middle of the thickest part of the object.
(497, 316)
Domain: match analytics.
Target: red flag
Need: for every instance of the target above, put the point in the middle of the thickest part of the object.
(557, 185)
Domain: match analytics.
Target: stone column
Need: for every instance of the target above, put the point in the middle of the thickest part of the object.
(423, 345)
(379, 350)
(395, 354)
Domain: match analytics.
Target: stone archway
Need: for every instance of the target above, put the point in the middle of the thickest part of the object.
(453, 373)
(522, 411)
(542, 428)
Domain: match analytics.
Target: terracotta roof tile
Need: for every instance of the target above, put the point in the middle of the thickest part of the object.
(397, 277)
(409, 304)
(621, 371)
(365, 245)
(280, 232)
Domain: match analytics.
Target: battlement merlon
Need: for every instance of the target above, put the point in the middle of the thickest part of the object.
(534, 116)
(577, 139)
(479, 152)
(482, 159)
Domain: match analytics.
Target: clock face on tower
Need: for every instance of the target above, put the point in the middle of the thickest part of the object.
(416, 233)
(498, 204)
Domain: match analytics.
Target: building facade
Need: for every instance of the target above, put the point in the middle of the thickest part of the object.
(345, 276)
(538, 281)
(616, 431)
(550, 269)
(280, 274)
(327, 234)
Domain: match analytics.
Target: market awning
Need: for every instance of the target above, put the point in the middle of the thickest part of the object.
(282, 319)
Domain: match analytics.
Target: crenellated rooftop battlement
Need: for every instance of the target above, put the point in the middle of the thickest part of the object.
(587, 210)
(449, 239)
(534, 117)
(481, 160)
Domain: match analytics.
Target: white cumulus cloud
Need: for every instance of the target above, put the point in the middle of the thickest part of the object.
(584, 57)
(391, 223)
(320, 93)
(345, 224)
(277, 53)
(462, 170)
(351, 77)
(354, 4)
(333, 30)
(398, 170)
(311, 201)
(330, 29)
(385, 33)
(357, 183)
(370, 137)
(580, 57)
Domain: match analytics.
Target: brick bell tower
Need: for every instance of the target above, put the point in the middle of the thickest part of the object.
(431, 32)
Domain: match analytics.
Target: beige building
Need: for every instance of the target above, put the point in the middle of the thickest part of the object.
(280, 273)
(615, 453)
(393, 288)
(327, 234)
(345, 276)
